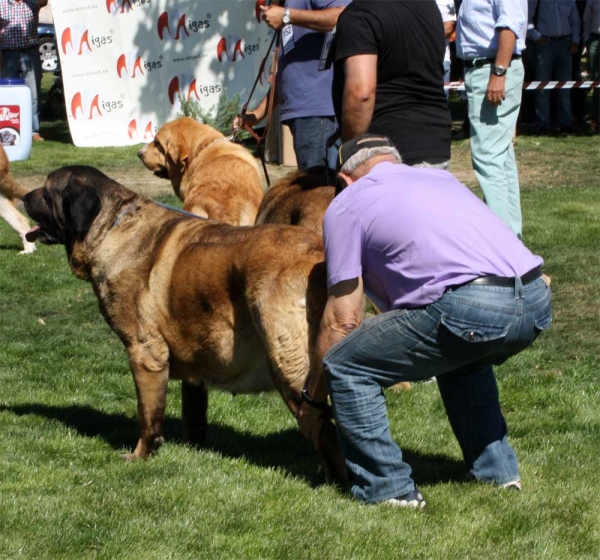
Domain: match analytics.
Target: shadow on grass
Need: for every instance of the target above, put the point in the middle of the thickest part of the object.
(286, 450)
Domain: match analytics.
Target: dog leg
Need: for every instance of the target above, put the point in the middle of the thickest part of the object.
(151, 386)
(194, 404)
(17, 221)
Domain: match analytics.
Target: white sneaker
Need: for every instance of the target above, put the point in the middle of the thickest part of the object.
(513, 485)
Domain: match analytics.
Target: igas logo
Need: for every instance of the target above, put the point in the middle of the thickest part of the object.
(231, 47)
(186, 87)
(119, 6)
(131, 65)
(78, 41)
(88, 105)
(177, 24)
(142, 130)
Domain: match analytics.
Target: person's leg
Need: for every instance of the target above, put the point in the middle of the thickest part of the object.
(492, 132)
(544, 63)
(594, 69)
(310, 136)
(563, 69)
(30, 70)
(373, 356)
(470, 396)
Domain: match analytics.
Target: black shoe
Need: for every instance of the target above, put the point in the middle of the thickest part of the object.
(413, 499)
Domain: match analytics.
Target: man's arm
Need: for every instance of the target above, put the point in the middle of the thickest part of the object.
(496, 90)
(343, 313)
(358, 100)
(317, 20)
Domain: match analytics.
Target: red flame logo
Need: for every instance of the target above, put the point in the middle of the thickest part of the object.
(122, 66)
(164, 23)
(230, 47)
(77, 105)
(67, 39)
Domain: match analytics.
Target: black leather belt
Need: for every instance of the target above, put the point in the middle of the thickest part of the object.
(479, 62)
(559, 38)
(505, 282)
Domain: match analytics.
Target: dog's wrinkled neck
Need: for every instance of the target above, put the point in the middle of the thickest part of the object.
(127, 210)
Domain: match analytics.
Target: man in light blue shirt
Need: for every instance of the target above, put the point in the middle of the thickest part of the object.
(490, 36)
(554, 27)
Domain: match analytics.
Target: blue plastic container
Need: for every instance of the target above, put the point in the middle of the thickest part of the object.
(15, 118)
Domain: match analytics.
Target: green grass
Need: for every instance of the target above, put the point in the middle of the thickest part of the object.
(68, 410)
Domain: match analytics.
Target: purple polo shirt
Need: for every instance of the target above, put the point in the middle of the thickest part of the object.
(304, 91)
(412, 232)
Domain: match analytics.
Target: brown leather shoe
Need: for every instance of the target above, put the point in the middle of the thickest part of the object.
(37, 137)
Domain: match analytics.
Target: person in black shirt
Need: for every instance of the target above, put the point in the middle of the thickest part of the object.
(389, 77)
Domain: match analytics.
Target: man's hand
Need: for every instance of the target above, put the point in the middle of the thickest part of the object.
(310, 421)
(496, 90)
(273, 16)
(542, 41)
(574, 48)
(249, 118)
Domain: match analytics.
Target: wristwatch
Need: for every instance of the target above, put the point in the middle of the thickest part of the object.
(499, 71)
(286, 19)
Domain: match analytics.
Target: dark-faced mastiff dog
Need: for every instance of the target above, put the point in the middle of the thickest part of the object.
(192, 299)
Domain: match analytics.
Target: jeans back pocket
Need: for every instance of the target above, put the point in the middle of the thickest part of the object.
(465, 339)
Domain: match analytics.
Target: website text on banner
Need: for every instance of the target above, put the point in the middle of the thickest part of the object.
(126, 64)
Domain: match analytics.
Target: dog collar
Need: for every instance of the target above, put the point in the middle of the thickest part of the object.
(124, 211)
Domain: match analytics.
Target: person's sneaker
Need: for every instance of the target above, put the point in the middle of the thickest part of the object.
(37, 137)
(513, 485)
(413, 499)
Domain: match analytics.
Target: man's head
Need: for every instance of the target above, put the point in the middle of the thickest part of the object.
(358, 156)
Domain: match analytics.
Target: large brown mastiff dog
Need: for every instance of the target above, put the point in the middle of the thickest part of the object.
(191, 299)
(299, 199)
(215, 178)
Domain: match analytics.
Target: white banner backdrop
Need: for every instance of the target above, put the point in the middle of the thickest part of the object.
(127, 63)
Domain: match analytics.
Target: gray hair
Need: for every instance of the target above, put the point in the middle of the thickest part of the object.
(364, 155)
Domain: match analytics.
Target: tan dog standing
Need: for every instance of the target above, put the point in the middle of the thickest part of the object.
(9, 191)
(215, 178)
(299, 199)
(192, 299)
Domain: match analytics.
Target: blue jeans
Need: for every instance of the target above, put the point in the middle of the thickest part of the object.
(492, 132)
(310, 141)
(456, 339)
(553, 61)
(25, 64)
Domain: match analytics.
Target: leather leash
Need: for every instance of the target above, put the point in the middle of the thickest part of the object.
(242, 114)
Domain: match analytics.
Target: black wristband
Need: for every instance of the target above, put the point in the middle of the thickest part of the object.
(315, 404)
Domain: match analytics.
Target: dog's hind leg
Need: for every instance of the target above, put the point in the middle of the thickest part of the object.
(194, 405)
(17, 221)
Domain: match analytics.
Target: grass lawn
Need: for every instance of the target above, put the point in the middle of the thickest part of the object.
(68, 410)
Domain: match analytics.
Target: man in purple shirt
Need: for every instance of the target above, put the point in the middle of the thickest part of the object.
(459, 292)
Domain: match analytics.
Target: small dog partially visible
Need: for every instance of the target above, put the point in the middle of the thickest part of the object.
(214, 178)
(9, 191)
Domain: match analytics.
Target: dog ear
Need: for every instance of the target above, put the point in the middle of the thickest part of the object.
(176, 157)
(81, 205)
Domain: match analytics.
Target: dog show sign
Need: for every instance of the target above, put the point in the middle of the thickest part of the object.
(127, 65)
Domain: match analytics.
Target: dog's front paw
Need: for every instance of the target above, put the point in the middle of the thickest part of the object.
(144, 449)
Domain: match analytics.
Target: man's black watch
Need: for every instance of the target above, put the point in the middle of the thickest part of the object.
(499, 71)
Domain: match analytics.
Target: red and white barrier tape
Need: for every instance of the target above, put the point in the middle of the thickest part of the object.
(460, 86)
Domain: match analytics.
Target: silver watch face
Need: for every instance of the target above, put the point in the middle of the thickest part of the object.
(286, 17)
(499, 70)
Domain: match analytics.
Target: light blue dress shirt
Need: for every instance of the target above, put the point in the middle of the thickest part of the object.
(478, 20)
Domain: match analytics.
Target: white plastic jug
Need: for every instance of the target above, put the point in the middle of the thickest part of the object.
(15, 118)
